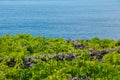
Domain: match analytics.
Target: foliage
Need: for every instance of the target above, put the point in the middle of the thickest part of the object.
(13, 50)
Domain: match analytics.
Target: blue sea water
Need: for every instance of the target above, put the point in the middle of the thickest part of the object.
(69, 19)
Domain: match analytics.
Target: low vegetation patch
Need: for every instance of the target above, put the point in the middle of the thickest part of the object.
(25, 57)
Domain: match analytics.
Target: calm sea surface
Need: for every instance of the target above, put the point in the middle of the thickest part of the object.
(70, 19)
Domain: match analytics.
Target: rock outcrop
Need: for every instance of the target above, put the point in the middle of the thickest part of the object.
(29, 61)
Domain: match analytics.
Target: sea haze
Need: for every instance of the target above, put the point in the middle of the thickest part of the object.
(69, 19)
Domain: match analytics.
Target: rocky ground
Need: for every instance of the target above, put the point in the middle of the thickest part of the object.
(78, 78)
(94, 54)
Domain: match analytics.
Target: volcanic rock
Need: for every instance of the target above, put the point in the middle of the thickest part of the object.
(77, 45)
(98, 54)
(78, 78)
(118, 50)
(29, 61)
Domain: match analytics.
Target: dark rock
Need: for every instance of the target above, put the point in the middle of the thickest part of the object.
(29, 64)
(118, 50)
(77, 45)
(103, 52)
(97, 54)
(78, 78)
(69, 56)
(29, 61)
(111, 49)
(53, 56)
(59, 56)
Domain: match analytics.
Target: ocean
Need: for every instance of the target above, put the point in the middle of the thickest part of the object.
(69, 19)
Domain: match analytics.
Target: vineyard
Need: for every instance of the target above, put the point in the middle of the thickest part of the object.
(26, 57)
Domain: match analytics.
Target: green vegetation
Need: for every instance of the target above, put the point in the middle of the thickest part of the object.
(25, 57)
